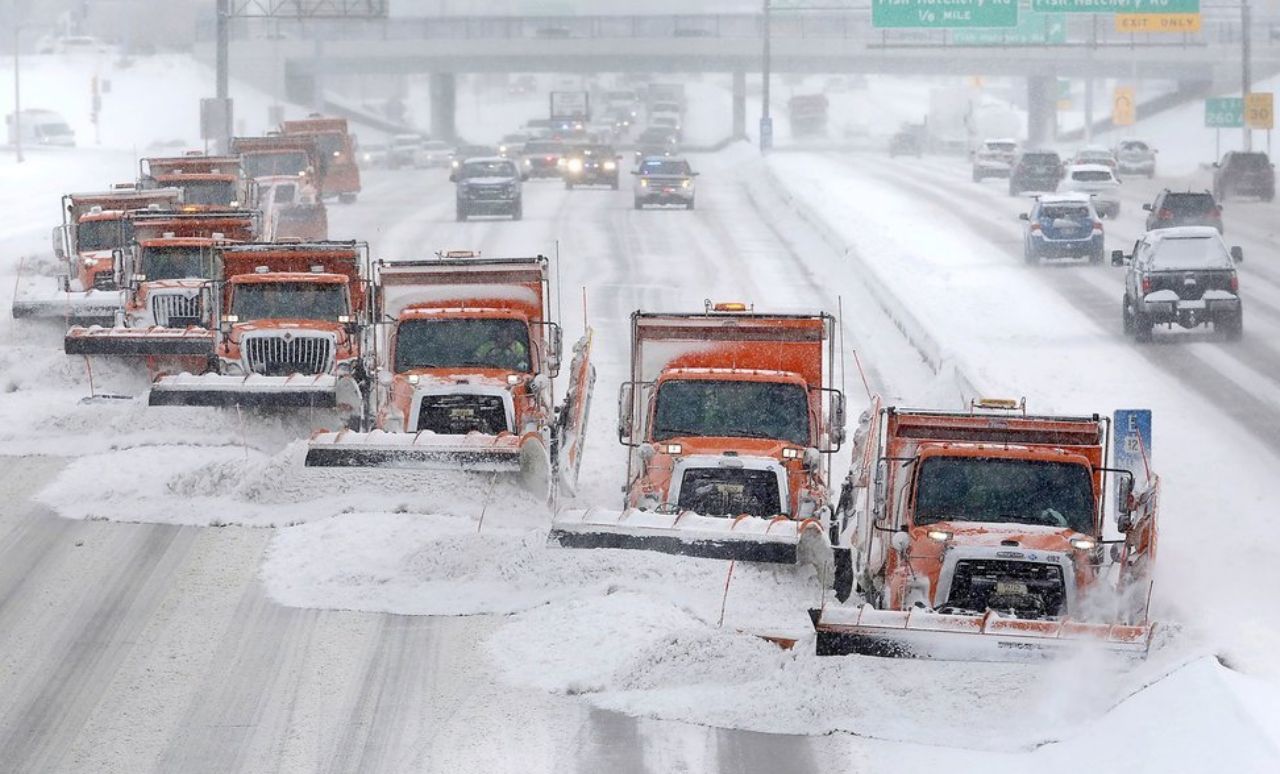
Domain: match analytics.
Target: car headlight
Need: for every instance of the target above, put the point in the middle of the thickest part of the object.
(644, 183)
(609, 166)
(686, 183)
(575, 165)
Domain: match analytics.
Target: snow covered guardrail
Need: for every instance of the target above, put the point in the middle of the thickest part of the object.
(939, 360)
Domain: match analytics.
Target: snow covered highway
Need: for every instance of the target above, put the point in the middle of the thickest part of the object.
(178, 593)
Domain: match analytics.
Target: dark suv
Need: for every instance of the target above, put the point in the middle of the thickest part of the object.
(1183, 208)
(489, 186)
(1184, 276)
(591, 165)
(1035, 171)
(1248, 174)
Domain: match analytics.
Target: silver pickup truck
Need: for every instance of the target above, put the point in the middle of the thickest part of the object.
(664, 180)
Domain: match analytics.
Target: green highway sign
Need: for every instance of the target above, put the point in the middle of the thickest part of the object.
(1033, 29)
(942, 14)
(1224, 112)
(1116, 6)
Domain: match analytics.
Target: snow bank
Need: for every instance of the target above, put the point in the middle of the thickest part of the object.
(221, 483)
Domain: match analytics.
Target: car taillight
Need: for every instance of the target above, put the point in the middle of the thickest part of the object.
(1146, 284)
(1217, 212)
(551, 158)
(1235, 283)
(1164, 214)
(1097, 226)
(1035, 226)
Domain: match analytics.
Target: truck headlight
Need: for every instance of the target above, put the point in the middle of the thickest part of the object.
(609, 166)
(940, 535)
(1083, 544)
(575, 166)
(232, 368)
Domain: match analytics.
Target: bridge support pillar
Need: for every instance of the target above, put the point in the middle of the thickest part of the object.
(1042, 109)
(739, 105)
(444, 106)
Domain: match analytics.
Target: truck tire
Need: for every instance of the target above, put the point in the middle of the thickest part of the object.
(347, 198)
(1126, 316)
(568, 185)
(977, 176)
(1097, 256)
(462, 215)
(1142, 326)
(689, 205)
(1233, 326)
(614, 184)
(517, 212)
(639, 205)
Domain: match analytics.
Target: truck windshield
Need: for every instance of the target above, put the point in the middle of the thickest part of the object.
(102, 234)
(487, 169)
(1005, 491)
(476, 342)
(178, 262)
(279, 163)
(290, 301)
(216, 192)
(716, 408)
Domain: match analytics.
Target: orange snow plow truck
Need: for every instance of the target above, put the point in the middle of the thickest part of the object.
(337, 175)
(980, 536)
(206, 182)
(94, 227)
(284, 168)
(165, 273)
(467, 377)
(289, 333)
(731, 417)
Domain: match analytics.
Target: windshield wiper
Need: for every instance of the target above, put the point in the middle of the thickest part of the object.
(667, 432)
(742, 432)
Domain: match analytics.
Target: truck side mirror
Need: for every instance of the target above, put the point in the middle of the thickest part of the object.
(57, 240)
(1024, 216)
(1237, 253)
(837, 432)
(524, 176)
(626, 400)
(453, 177)
(1146, 207)
(553, 351)
(1117, 257)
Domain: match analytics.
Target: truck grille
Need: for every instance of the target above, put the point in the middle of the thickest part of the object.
(176, 310)
(730, 492)
(104, 280)
(281, 356)
(1025, 589)
(462, 414)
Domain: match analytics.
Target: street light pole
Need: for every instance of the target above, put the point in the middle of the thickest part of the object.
(17, 99)
(766, 121)
(1246, 77)
(222, 75)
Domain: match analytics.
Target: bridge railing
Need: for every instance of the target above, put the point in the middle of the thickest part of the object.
(1221, 27)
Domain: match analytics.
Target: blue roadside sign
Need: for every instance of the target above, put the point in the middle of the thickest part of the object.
(1132, 442)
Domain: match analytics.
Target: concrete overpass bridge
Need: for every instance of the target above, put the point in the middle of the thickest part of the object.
(292, 60)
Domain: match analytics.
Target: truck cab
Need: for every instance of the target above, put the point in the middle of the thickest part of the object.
(95, 226)
(730, 441)
(207, 182)
(463, 370)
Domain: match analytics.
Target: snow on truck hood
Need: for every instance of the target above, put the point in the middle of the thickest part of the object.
(1027, 536)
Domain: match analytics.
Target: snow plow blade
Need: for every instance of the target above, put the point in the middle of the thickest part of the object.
(94, 307)
(139, 342)
(745, 538)
(417, 451)
(253, 391)
(922, 634)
